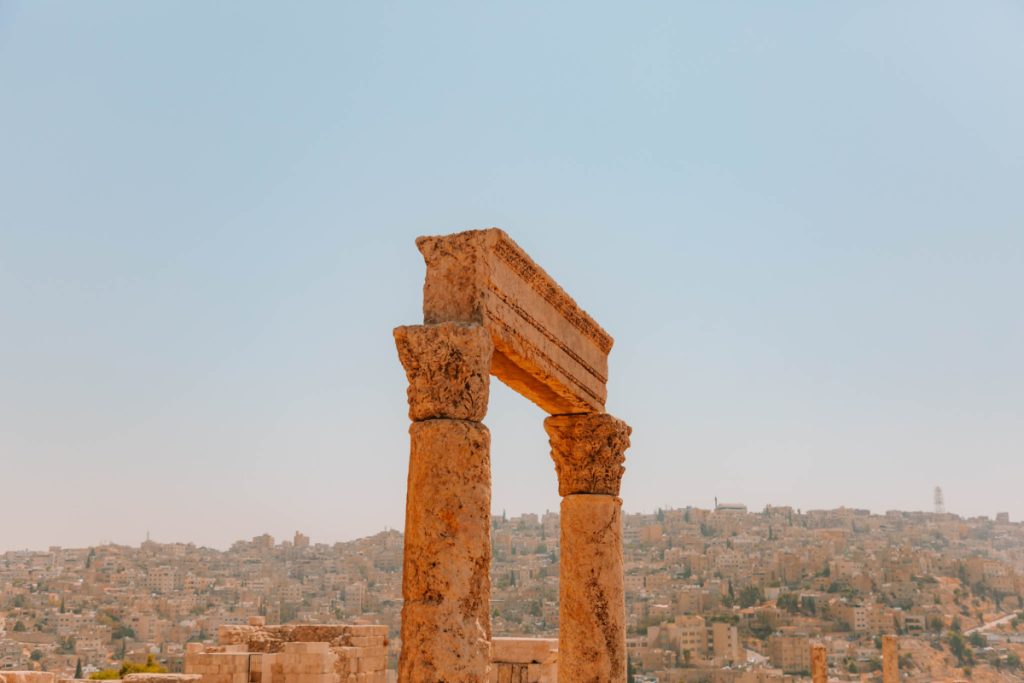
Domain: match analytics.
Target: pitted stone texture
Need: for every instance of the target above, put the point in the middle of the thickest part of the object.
(449, 370)
(162, 678)
(890, 659)
(446, 625)
(819, 664)
(592, 609)
(588, 451)
(28, 677)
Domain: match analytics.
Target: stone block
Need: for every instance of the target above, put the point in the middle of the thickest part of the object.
(524, 650)
(545, 346)
(162, 678)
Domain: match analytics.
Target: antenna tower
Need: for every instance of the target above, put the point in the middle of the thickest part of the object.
(940, 502)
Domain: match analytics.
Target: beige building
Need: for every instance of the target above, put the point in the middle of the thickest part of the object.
(791, 653)
(725, 640)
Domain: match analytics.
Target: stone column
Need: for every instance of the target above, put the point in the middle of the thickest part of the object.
(446, 625)
(819, 664)
(890, 659)
(588, 451)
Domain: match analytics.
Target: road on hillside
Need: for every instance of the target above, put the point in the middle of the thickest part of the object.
(992, 624)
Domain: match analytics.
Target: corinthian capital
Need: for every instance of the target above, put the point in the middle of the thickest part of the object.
(588, 451)
(449, 370)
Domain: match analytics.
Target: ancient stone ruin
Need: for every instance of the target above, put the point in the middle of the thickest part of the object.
(300, 653)
(488, 309)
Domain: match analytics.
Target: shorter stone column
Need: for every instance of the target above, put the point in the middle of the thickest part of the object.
(446, 626)
(588, 451)
(890, 659)
(819, 664)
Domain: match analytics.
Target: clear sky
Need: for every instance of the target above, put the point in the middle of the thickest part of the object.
(803, 223)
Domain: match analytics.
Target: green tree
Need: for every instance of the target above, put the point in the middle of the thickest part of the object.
(789, 602)
(750, 596)
(958, 646)
(150, 667)
(78, 669)
(976, 639)
(121, 631)
(36, 655)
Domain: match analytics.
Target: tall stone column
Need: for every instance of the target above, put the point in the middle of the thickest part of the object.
(588, 451)
(890, 659)
(446, 625)
(819, 663)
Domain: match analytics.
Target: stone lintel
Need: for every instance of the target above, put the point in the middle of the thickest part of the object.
(448, 366)
(545, 346)
(588, 451)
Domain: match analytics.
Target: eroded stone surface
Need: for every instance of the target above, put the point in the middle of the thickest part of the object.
(162, 678)
(449, 369)
(291, 653)
(546, 347)
(446, 585)
(819, 664)
(588, 451)
(890, 659)
(592, 629)
(28, 677)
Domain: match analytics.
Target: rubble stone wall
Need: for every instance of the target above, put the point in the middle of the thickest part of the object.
(303, 653)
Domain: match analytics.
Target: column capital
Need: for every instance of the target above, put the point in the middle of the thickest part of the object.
(588, 451)
(449, 370)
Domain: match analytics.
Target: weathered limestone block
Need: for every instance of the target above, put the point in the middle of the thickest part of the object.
(819, 664)
(890, 659)
(588, 451)
(446, 624)
(592, 629)
(29, 676)
(529, 660)
(162, 678)
(449, 369)
(546, 347)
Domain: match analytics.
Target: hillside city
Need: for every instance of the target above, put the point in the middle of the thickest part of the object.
(716, 595)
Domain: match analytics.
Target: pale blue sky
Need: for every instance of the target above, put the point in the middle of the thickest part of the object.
(803, 223)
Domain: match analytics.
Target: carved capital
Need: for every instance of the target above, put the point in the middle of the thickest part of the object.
(449, 370)
(588, 451)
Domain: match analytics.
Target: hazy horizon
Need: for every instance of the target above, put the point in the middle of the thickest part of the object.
(289, 535)
(803, 225)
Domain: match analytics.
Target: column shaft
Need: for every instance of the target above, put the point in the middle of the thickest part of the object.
(446, 583)
(446, 625)
(819, 664)
(592, 629)
(890, 659)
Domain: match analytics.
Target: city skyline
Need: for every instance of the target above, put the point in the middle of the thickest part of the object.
(284, 535)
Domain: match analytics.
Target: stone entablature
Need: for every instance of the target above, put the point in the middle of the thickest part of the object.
(546, 347)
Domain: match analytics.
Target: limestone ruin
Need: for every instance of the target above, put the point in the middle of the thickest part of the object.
(488, 309)
(302, 653)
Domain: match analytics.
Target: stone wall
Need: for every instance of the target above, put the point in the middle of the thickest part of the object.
(335, 653)
(27, 677)
(524, 660)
